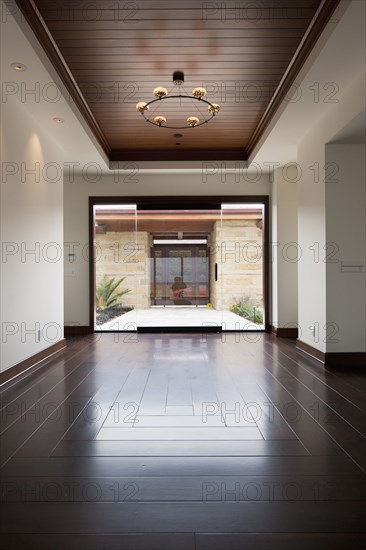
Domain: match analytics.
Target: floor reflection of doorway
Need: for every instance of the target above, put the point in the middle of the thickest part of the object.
(180, 274)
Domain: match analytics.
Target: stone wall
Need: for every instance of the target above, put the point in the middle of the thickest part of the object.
(236, 245)
(121, 254)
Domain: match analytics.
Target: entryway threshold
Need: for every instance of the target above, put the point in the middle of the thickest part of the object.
(182, 329)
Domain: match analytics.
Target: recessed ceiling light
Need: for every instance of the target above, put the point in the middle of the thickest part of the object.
(59, 120)
(178, 135)
(178, 143)
(18, 67)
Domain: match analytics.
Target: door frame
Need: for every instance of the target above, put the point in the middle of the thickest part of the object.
(181, 202)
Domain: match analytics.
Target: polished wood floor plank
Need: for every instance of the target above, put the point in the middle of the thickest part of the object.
(204, 396)
(342, 432)
(13, 410)
(179, 434)
(127, 402)
(267, 416)
(21, 430)
(211, 488)
(324, 394)
(51, 367)
(154, 398)
(187, 541)
(274, 541)
(223, 517)
(334, 378)
(180, 448)
(300, 419)
(148, 473)
(51, 432)
(185, 466)
(179, 388)
(87, 425)
(137, 541)
(19, 397)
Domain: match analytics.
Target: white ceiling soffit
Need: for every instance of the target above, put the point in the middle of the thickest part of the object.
(354, 132)
(50, 99)
(337, 60)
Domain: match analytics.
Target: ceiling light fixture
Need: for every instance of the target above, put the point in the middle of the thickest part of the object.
(58, 120)
(18, 67)
(180, 108)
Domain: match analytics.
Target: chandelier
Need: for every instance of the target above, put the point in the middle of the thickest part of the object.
(180, 109)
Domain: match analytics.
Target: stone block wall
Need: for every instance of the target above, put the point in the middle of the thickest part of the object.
(121, 254)
(236, 245)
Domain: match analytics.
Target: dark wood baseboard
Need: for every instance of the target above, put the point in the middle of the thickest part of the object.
(75, 330)
(334, 359)
(20, 368)
(285, 332)
(345, 359)
(310, 350)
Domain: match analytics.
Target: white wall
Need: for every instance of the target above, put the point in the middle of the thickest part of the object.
(78, 189)
(312, 209)
(346, 228)
(31, 219)
(285, 251)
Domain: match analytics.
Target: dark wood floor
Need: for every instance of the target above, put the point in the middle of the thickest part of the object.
(180, 442)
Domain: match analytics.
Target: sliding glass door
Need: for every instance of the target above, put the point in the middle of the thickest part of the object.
(240, 251)
(172, 268)
(118, 268)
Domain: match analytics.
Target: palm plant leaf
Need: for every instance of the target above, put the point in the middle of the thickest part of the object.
(105, 292)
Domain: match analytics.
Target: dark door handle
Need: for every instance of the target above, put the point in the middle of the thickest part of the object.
(215, 272)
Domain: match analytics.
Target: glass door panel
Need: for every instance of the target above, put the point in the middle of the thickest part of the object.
(239, 240)
(181, 275)
(150, 260)
(117, 267)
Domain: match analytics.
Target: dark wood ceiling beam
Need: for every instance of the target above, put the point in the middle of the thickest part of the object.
(186, 54)
(178, 154)
(180, 36)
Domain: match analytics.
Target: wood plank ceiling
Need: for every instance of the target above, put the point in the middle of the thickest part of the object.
(119, 51)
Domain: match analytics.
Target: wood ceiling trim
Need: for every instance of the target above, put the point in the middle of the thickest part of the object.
(38, 26)
(178, 154)
(282, 44)
(311, 36)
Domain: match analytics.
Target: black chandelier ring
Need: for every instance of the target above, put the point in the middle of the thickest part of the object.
(161, 94)
(201, 100)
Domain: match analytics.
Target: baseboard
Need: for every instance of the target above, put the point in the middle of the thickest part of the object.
(20, 368)
(310, 350)
(74, 330)
(345, 359)
(285, 332)
(334, 359)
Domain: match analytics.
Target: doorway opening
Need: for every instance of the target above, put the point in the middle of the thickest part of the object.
(179, 269)
(180, 273)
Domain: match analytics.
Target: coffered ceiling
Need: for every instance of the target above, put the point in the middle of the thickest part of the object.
(111, 54)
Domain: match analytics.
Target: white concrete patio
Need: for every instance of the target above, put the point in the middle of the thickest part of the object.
(178, 317)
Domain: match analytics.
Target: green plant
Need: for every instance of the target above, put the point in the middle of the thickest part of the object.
(106, 294)
(248, 312)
